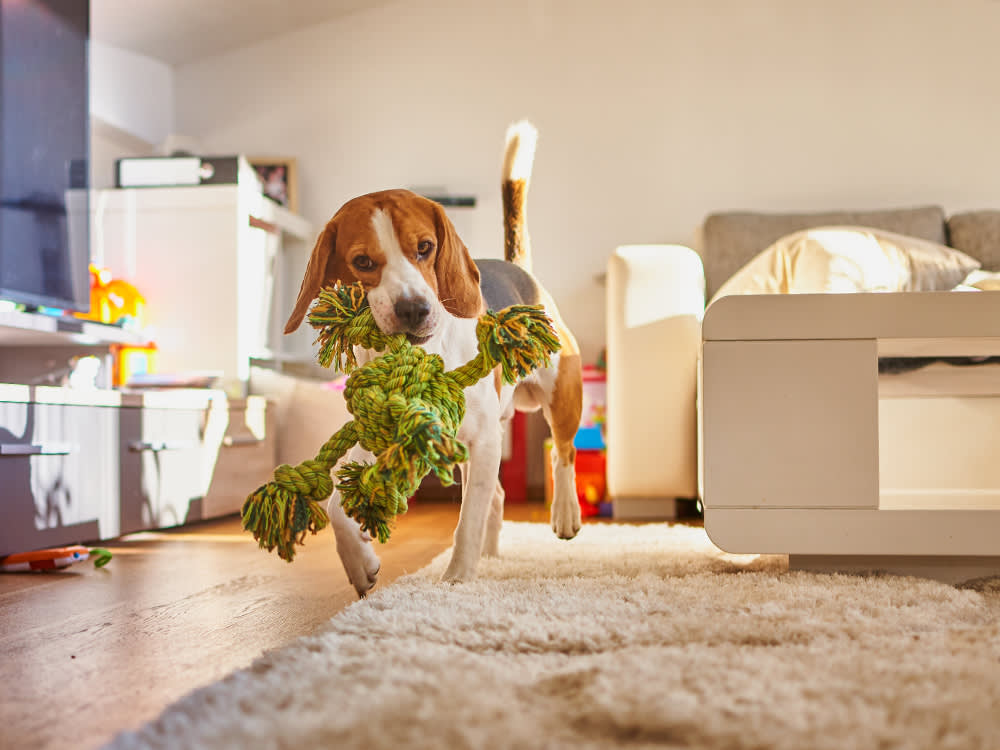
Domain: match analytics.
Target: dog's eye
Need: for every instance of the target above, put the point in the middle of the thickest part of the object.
(424, 248)
(363, 263)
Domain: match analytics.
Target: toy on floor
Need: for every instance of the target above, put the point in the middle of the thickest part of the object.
(50, 559)
(406, 409)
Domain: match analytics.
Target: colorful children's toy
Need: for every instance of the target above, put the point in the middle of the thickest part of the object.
(50, 559)
(129, 361)
(406, 409)
(114, 301)
(595, 398)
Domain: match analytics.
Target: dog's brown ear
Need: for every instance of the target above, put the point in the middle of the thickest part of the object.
(457, 274)
(322, 268)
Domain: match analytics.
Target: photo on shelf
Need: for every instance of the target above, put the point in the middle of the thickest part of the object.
(278, 177)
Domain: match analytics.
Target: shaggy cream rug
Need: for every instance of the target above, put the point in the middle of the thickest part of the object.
(638, 636)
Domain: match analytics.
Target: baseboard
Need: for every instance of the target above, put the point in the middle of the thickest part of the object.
(644, 508)
(948, 569)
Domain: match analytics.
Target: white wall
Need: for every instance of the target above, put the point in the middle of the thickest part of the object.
(652, 113)
(131, 92)
(131, 108)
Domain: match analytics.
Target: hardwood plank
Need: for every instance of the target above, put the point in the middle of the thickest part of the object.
(87, 652)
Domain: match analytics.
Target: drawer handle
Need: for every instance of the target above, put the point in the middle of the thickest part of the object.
(36, 449)
(238, 441)
(138, 446)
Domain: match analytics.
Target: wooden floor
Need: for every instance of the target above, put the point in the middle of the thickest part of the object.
(86, 652)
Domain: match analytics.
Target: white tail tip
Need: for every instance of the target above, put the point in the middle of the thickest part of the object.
(521, 140)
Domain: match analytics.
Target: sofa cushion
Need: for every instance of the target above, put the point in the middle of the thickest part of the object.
(978, 234)
(850, 259)
(729, 240)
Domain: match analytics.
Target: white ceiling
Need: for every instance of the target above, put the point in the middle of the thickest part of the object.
(182, 31)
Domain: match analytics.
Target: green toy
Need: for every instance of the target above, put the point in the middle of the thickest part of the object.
(406, 409)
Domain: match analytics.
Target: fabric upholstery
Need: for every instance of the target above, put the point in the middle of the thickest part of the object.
(655, 300)
(978, 234)
(731, 239)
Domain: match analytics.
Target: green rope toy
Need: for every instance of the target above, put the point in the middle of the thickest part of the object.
(406, 409)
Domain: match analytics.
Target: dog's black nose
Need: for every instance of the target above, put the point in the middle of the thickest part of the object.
(411, 311)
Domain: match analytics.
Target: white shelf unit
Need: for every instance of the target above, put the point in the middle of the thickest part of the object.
(39, 349)
(34, 329)
(215, 264)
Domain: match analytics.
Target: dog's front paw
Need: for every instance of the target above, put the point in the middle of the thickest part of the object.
(458, 571)
(491, 545)
(360, 562)
(566, 520)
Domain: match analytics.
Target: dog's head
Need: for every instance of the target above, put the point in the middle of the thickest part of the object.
(405, 252)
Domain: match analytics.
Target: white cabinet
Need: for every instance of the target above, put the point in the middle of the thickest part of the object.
(78, 466)
(58, 468)
(215, 264)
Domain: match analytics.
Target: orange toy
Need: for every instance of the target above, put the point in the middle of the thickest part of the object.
(50, 559)
(132, 360)
(112, 300)
(100, 308)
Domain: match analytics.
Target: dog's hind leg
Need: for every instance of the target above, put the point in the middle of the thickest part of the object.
(562, 411)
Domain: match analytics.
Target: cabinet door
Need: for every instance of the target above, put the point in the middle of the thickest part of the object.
(57, 474)
(162, 467)
(245, 459)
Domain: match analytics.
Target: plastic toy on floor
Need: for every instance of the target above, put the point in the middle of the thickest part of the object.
(406, 409)
(52, 559)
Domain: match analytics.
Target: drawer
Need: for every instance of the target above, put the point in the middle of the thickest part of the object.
(245, 458)
(58, 477)
(162, 467)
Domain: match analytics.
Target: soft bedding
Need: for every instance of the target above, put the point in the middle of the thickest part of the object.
(840, 259)
(850, 259)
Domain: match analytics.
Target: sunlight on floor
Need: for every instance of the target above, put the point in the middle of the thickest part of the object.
(174, 536)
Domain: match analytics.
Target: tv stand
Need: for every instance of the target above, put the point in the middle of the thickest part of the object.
(80, 465)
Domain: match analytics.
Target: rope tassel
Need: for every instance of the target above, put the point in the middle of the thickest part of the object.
(406, 411)
(280, 513)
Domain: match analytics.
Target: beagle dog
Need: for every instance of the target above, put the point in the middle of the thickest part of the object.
(422, 281)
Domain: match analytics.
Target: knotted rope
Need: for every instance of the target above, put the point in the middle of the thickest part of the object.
(407, 411)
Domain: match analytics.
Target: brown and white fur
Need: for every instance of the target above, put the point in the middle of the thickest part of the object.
(422, 281)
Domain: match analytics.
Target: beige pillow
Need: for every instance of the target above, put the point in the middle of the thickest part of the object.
(850, 259)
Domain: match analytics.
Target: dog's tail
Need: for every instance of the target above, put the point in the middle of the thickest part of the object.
(518, 158)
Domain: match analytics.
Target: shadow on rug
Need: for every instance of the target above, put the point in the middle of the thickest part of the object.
(645, 636)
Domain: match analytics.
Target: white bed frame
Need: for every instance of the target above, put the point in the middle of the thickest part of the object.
(806, 451)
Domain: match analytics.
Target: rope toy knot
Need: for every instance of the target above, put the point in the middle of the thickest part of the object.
(406, 411)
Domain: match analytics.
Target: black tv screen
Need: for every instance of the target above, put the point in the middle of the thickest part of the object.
(44, 148)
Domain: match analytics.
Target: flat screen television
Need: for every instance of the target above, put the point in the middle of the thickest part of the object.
(44, 150)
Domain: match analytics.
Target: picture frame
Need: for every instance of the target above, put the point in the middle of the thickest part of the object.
(279, 179)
